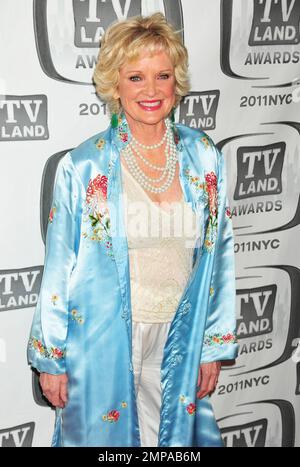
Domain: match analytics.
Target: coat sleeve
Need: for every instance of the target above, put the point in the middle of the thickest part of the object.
(47, 342)
(220, 341)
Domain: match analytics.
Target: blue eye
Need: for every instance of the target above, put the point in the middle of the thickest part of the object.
(164, 76)
(134, 78)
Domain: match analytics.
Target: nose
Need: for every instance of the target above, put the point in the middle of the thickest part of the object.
(150, 87)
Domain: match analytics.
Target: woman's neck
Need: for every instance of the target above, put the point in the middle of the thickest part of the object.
(146, 133)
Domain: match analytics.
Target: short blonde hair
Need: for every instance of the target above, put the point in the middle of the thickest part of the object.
(125, 40)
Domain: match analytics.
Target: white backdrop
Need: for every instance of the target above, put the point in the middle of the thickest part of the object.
(244, 63)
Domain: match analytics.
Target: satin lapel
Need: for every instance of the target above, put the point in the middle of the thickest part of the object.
(118, 233)
(185, 161)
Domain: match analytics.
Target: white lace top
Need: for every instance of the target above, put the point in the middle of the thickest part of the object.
(161, 245)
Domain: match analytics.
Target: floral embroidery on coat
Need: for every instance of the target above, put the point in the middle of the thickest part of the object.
(100, 143)
(205, 141)
(97, 212)
(228, 212)
(189, 406)
(53, 352)
(51, 214)
(76, 316)
(220, 338)
(54, 299)
(114, 415)
(177, 140)
(208, 194)
(123, 130)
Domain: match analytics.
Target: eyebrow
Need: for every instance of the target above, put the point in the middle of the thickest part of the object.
(140, 71)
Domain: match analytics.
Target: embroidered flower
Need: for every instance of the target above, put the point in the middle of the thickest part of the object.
(51, 214)
(211, 291)
(191, 408)
(219, 338)
(54, 299)
(76, 316)
(211, 183)
(100, 143)
(211, 231)
(229, 338)
(177, 139)
(114, 415)
(205, 141)
(123, 130)
(208, 194)
(228, 212)
(97, 213)
(199, 186)
(97, 189)
(56, 353)
(51, 353)
(208, 245)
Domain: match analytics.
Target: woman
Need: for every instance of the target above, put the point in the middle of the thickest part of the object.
(129, 330)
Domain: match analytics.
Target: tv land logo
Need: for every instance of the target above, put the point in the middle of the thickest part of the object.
(23, 118)
(266, 320)
(199, 110)
(265, 180)
(275, 22)
(259, 170)
(19, 288)
(93, 17)
(76, 28)
(249, 435)
(259, 32)
(20, 436)
(255, 309)
(266, 423)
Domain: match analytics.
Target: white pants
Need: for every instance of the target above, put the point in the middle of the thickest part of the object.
(148, 340)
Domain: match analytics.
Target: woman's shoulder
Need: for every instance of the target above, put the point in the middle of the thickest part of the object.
(91, 153)
(195, 135)
(201, 147)
(94, 144)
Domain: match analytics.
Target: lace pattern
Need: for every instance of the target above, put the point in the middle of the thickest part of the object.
(161, 244)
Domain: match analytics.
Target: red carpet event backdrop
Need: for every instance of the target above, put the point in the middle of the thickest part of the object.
(245, 81)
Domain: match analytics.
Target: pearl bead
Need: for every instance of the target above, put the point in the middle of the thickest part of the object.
(168, 171)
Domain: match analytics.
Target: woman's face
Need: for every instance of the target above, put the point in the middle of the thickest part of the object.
(147, 88)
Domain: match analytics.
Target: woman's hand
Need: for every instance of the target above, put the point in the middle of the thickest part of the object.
(207, 378)
(55, 388)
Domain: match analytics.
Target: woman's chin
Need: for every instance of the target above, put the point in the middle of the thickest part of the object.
(150, 117)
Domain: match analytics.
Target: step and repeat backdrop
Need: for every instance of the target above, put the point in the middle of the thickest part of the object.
(245, 75)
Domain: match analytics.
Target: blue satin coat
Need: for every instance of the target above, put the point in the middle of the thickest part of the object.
(82, 321)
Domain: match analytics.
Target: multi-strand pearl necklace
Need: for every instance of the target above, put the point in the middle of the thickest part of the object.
(168, 170)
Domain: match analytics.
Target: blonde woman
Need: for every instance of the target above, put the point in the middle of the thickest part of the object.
(131, 347)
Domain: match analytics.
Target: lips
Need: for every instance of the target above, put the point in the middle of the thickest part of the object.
(150, 105)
